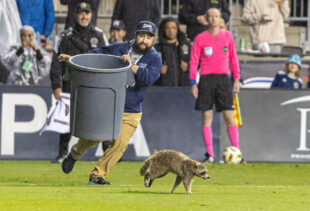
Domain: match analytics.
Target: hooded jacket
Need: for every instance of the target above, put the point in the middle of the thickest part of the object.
(172, 55)
(271, 32)
(148, 72)
(190, 9)
(37, 13)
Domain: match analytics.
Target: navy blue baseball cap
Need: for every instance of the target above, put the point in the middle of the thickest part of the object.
(146, 26)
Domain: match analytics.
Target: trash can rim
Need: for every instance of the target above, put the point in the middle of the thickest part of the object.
(97, 70)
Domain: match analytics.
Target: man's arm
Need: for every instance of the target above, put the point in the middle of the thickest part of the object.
(57, 67)
(56, 76)
(148, 75)
(49, 19)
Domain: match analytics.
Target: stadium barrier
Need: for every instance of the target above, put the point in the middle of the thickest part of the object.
(275, 125)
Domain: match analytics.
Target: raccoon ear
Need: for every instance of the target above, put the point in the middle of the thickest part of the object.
(196, 165)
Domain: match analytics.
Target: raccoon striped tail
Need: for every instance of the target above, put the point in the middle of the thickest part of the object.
(144, 167)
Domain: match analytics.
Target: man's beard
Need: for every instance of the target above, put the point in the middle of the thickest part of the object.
(136, 48)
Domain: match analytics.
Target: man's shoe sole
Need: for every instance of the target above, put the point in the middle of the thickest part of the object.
(93, 183)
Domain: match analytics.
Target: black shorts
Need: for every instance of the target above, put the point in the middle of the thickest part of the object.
(215, 89)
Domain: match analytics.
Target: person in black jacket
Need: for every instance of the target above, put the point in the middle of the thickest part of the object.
(192, 13)
(175, 51)
(70, 21)
(133, 11)
(79, 40)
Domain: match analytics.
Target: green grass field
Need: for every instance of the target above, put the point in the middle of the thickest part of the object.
(39, 185)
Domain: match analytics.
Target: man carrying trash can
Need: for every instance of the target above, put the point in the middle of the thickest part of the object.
(78, 40)
(146, 69)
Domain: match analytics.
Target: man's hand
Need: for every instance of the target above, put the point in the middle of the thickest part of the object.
(184, 66)
(236, 86)
(57, 93)
(64, 58)
(126, 57)
(202, 19)
(164, 68)
(134, 68)
(195, 91)
(32, 45)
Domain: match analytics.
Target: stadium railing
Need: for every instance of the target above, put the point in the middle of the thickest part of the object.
(299, 12)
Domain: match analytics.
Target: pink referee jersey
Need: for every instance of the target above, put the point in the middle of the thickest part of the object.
(214, 53)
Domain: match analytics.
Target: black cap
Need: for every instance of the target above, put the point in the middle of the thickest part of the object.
(118, 24)
(83, 6)
(146, 26)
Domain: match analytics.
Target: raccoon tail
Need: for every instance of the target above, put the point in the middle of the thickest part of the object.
(144, 167)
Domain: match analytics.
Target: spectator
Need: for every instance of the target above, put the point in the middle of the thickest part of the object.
(9, 24)
(133, 11)
(27, 63)
(70, 21)
(117, 31)
(215, 51)
(267, 22)
(82, 38)
(146, 69)
(290, 77)
(192, 13)
(39, 15)
(174, 49)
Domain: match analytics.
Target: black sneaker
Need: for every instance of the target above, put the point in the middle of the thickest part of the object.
(68, 164)
(58, 159)
(98, 181)
(208, 158)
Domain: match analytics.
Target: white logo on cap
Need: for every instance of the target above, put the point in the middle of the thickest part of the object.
(116, 23)
(147, 26)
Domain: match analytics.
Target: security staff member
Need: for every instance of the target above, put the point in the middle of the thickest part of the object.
(78, 40)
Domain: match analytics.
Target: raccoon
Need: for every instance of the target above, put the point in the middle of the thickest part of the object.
(165, 161)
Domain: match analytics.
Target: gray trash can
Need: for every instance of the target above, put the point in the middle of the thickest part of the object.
(98, 90)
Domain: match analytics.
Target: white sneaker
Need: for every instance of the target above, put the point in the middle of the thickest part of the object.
(210, 160)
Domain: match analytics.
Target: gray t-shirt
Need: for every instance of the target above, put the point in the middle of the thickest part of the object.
(135, 57)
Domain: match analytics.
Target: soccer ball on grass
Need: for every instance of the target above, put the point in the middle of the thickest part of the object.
(232, 155)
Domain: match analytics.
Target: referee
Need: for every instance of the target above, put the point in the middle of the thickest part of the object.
(214, 50)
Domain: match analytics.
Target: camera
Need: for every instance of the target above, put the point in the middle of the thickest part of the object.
(28, 38)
